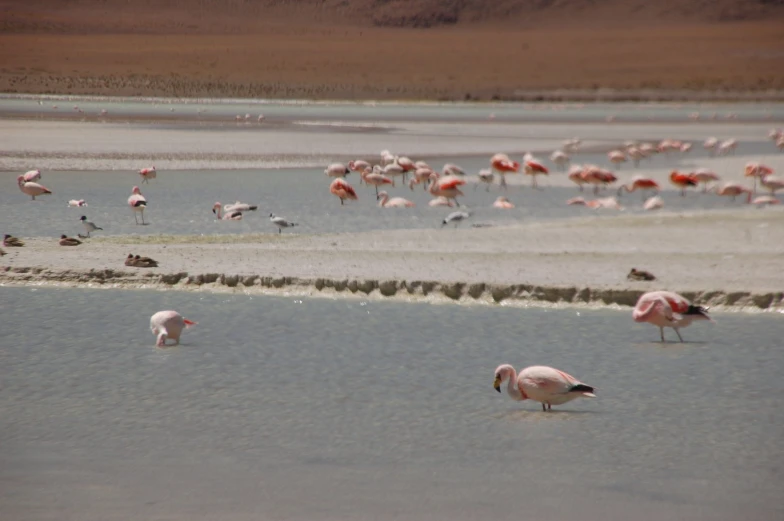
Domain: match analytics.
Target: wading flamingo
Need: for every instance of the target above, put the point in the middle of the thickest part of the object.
(341, 189)
(682, 181)
(653, 203)
(32, 176)
(635, 154)
(168, 324)
(440, 201)
(534, 167)
(337, 170)
(710, 145)
(765, 199)
(486, 176)
(576, 176)
(705, 176)
(77, 202)
(667, 309)
(503, 203)
(503, 165)
(376, 179)
(239, 207)
(138, 203)
(560, 159)
(616, 157)
(452, 169)
(30, 188)
(395, 202)
(755, 170)
(148, 173)
(233, 215)
(772, 184)
(732, 190)
(542, 384)
(640, 183)
(358, 165)
(446, 187)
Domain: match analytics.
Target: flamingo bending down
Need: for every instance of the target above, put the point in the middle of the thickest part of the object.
(395, 202)
(376, 179)
(452, 169)
(446, 187)
(30, 188)
(359, 165)
(640, 183)
(340, 188)
(682, 181)
(653, 203)
(440, 201)
(576, 176)
(77, 202)
(765, 199)
(486, 176)
(138, 203)
(32, 176)
(337, 170)
(605, 202)
(635, 154)
(503, 203)
(705, 176)
(148, 173)
(503, 165)
(560, 159)
(667, 309)
(772, 184)
(233, 215)
(168, 324)
(733, 190)
(535, 168)
(542, 384)
(728, 147)
(239, 207)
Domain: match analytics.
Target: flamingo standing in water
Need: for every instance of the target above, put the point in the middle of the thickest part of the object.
(653, 203)
(710, 145)
(32, 176)
(168, 324)
(395, 202)
(337, 170)
(503, 165)
(635, 154)
(542, 384)
(705, 176)
(575, 175)
(682, 181)
(231, 215)
(358, 166)
(733, 190)
(667, 309)
(640, 183)
(616, 157)
(138, 203)
(440, 201)
(560, 159)
(503, 203)
(340, 188)
(755, 170)
(376, 179)
(446, 187)
(772, 184)
(486, 176)
(30, 188)
(534, 167)
(148, 173)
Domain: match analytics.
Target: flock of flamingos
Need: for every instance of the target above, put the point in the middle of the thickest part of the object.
(546, 385)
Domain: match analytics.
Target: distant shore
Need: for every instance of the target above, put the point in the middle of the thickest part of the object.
(581, 261)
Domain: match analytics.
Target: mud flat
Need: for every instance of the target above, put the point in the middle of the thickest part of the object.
(723, 258)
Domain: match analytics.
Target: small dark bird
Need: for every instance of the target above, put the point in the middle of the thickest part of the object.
(69, 241)
(129, 260)
(12, 242)
(636, 274)
(2, 252)
(144, 262)
(89, 226)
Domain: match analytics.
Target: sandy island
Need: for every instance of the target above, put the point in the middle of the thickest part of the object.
(727, 258)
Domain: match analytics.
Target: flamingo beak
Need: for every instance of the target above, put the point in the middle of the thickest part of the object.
(497, 383)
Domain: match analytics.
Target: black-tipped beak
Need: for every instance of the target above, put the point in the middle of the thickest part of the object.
(213, 210)
(497, 384)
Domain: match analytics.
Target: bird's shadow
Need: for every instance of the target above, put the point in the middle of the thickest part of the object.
(142, 224)
(540, 415)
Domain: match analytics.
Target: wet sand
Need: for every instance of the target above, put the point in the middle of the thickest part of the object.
(727, 258)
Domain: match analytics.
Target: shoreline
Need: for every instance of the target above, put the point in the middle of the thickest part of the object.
(424, 291)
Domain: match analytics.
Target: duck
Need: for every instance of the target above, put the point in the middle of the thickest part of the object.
(636, 274)
(144, 262)
(10, 241)
(69, 241)
(2, 252)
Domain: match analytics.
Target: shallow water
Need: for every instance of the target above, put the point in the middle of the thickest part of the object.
(281, 408)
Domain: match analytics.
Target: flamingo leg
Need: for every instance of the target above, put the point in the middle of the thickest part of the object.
(679, 334)
(503, 183)
(549, 407)
(136, 219)
(376, 191)
(143, 217)
(487, 188)
(661, 332)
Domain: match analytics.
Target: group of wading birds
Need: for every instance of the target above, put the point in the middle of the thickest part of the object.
(546, 385)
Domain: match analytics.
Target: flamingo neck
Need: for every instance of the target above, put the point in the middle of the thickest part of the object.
(512, 389)
(383, 201)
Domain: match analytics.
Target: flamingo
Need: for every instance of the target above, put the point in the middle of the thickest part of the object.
(610, 203)
(727, 147)
(148, 173)
(405, 163)
(755, 170)
(340, 188)
(576, 176)
(682, 181)
(358, 165)
(77, 202)
(440, 201)
(616, 157)
(503, 203)
(393, 169)
(337, 170)
(772, 184)
(421, 176)
(685, 147)
(376, 179)
(653, 203)
(705, 176)
(503, 165)
(137, 202)
(710, 145)
(30, 188)
(534, 167)
(780, 143)
(168, 324)
(733, 190)
(667, 309)
(560, 159)
(765, 199)
(395, 202)
(387, 157)
(635, 154)
(446, 187)
(640, 183)
(452, 169)
(571, 146)
(239, 207)
(542, 384)
(647, 150)
(595, 176)
(32, 176)
(233, 215)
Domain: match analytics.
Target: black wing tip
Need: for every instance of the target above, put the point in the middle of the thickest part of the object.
(582, 388)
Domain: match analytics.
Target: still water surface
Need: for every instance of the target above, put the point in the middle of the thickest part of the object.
(280, 408)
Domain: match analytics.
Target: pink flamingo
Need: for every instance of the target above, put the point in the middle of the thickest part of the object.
(705, 176)
(616, 157)
(685, 147)
(710, 145)
(340, 188)
(610, 203)
(534, 167)
(168, 324)
(503, 203)
(148, 173)
(542, 384)
(732, 190)
(667, 309)
(653, 203)
(635, 154)
(421, 176)
(728, 147)
(406, 164)
(560, 159)
(138, 203)
(376, 179)
(446, 187)
(30, 188)
(503, 165)
(486, 176)
(772, 184)
(358, 166)
(755, 170)
(640, 183)
(395, 202)
(77, 202)
(440, 201)
(593, 175)
(337, 170)
(452, 169)
(32, 176)
(575, 175)
(765, 199)
(230, 215)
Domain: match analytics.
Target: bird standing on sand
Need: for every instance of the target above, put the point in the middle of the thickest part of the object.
(455, 217)
(9, 241)
(542, 384)
(281, 223)
(636, 274)
(168, 324)
(69, 241)
(88, 225)
(138, 203)
(667, 309)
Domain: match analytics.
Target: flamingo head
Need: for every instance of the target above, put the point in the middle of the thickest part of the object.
(381, 195)
(216, 208)
(502, 373)
(136, 190)
(20, 180)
